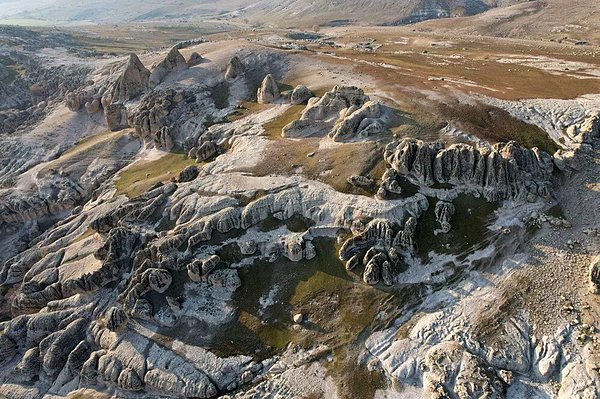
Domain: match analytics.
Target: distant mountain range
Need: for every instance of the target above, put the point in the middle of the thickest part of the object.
(283, 13)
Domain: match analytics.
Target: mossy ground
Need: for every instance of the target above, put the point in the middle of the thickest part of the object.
(139, 177)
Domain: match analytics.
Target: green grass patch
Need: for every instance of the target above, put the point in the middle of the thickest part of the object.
(273, 128)
(138, 178)
(284, 87)
(246, 108)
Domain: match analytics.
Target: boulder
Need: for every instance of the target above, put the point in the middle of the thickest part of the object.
(204, 152)
(406, 237)
(248, 247)
(353, 263)
(386, 273)
(373, 270)
(188, 174)
(194, 270)
(268, 90)
(443, 213)
(195, 59)
(209, 264)
(235, 68)
(115, 318)
(93, 106)
(360, 181)
(116, 117)
(300, 94)
(129, 380)
(309, 250)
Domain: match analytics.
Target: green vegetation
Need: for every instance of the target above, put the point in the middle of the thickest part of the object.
(139, 177)
(273, 128)
(469, 227)
(246, 108)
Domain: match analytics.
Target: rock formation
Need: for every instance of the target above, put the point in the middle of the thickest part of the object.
(160, 119)
(360, 181)
(443, 213)
(321, 114)
(173, 62)
(450, 369)
(115, 116)
(268, 91)
(195, 59)
(358, 122)
(188, 174)
(587, 131)
(205, 151)
(505, 171)
(300, 94)
(132, 82)
(235, 68)
(406, 237)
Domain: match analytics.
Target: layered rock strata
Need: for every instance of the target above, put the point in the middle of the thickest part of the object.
(506, 171)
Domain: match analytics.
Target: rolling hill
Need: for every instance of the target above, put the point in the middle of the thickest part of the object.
(283, 13)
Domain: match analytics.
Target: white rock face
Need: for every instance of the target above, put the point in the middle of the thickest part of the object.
(507, 171)
(322, 113)
(173, 62)
(300, 94)
(268, 91)
(358, 122)
(132, 82)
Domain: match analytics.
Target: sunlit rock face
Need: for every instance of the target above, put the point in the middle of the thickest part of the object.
(505, 171)
(132, 82)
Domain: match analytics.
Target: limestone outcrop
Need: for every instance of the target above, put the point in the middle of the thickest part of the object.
(173, 62)
(203, 152)
(163, 117)
(358, 122)
(268, 91)
(195, 59)
(361, 181)
(235, 68)
(507, 171)
(115, 116)
(587, 131)
(321, 114)
(443, 213)
(132, 82)
(452, 370)
(188, 174)
(300, 94)
(406, 237)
